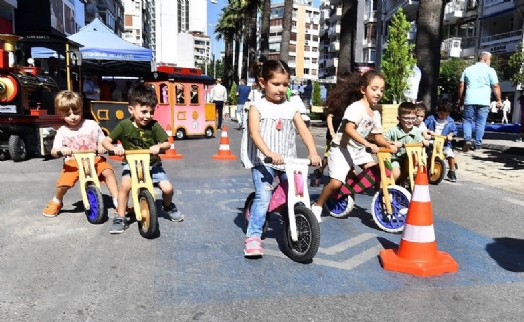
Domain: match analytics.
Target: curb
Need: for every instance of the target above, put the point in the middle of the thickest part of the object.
(503, 148)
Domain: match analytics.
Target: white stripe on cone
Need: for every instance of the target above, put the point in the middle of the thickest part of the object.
(169, 133)
(421, 193)
(223, 147)
(418, 234)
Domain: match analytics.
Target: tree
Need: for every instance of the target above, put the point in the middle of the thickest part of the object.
(348, 25)
(516, 62)
(232, 99)
(264, 29)
(286, 30)
(315, 96)
(449, 76)
(429, 36)
(398, 62)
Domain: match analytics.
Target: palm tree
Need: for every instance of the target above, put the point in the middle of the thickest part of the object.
(226, 28)
(286, 30)
(348, 25)
(264, 29)
(427, 49)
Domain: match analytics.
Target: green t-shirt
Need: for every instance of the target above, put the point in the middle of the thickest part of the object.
(135, 138)
(396, 134)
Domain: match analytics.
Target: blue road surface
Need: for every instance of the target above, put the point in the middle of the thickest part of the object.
(202, 260)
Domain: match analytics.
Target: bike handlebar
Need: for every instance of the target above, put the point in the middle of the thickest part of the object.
(388, 150)
(60, 154)
(139, 151)
(289, 160)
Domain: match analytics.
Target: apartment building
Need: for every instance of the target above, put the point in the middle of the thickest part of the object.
(304, 45)
(7, 14)
(365, 44)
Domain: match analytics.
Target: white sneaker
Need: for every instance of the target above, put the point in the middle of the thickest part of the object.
(317, 211)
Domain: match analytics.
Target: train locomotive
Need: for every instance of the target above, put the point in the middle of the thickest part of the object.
(27, 123)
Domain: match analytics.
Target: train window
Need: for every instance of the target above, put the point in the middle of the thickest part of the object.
(164, 94)
(194, 94)
(180, 97)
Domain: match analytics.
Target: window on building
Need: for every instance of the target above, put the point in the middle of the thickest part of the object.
(292, 47)
(314, 49)
(293, 36)
(306, 71)
(314, 60)
(314, 72)
(307, 48)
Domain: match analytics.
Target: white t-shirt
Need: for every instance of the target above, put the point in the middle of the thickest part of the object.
(365, 124)
(86, 137)
(506, 106)
(440, 125)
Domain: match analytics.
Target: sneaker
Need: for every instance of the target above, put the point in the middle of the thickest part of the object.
(468, 146)
(317, 211)
(118, 226)
(173, 213)
(52, 209)
(253, 247)
(451, 176)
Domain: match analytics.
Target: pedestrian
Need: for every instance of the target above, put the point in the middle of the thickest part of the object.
(474, 91)
(243, 92)
(307, 91)
(141, 132)
(506, 109)
(76, 134)
(360, 122)
(91, 88)
(272, 124)
(521, 102)
(219, 97)
(493, 111)
(443, 124)
(411, 93)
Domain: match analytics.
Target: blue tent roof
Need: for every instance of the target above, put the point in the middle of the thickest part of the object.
(101, 43)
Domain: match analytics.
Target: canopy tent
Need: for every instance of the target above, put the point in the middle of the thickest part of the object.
(104, 52)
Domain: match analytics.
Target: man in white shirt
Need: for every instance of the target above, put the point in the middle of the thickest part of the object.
(506, 109)
(219, 97)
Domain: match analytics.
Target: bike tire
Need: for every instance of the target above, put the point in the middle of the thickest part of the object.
(97, 212)
(395, 222)
(148, 226)
(246, 214)
(340, 208)
(439, 173)
(308, 230)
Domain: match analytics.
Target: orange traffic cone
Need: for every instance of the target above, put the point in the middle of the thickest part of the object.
(417, 253)
(171, 153)
(224, 153)
(117, 157)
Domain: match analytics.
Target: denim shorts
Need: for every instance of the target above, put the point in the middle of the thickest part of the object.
(157, 172)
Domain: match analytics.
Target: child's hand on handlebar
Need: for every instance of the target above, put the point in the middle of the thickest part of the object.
(66, 151)
(372, 147)
(393, 147)
(155, 149)
(276, 158)
(119, 150)
(315, 160)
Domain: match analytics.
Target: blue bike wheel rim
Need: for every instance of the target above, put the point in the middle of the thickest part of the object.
(337, 206)
(399, 201)
(93, 211)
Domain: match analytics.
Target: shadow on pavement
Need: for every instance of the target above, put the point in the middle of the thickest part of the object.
(507, 252)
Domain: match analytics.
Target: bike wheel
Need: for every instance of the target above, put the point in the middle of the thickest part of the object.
(340, 208)
(395, 222)
(148, 226)
(308, 230)
(246, 214)
(97, 212)
(439, 172)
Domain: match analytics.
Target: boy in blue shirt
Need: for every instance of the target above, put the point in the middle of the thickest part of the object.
(443, 124)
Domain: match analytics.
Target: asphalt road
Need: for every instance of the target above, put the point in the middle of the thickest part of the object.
(65, 269)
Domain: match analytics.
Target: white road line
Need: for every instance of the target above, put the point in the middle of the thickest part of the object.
(515, 201)
(346, 244)
(353, 261)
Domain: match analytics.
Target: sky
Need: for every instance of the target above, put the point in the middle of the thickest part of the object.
(213, 13)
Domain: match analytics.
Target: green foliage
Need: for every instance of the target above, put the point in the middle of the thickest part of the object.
(449, 76)
(398, 62)
(233, 94)
(315, 96)
(516, 61)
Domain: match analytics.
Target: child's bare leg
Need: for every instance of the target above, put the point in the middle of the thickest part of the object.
(109, 177)
(60, 192)
(123, 195)
(331, 187)
(451, 163)
(167, 192)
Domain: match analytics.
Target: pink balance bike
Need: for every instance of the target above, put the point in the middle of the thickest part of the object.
(301, 233)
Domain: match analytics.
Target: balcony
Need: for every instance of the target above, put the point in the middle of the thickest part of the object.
(501, 43)
(335, 14)
(335, 46)
(370, 16)
(454, 11)
(451, 47)
(368, 43)
(335, 30)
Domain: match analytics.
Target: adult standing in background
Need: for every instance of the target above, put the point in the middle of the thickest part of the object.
(506, 109)
(306, 94)
(242, 97)
(477, 81)
(91, 88)
(219, 97)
